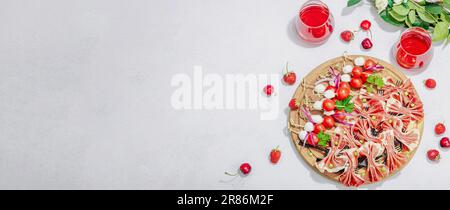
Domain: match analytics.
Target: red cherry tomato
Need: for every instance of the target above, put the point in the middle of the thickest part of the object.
(364, 75)
(339, 115)
(344, 85)
(328, 122)
(439, 128)
(369, 64)
(356, 83)
(329, 87)
(312, 139)
(357, 71)
(342, 93)
(328, 105)
(319, 127)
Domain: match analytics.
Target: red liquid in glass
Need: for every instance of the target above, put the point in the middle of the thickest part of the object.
(412, 49)
(315, 24)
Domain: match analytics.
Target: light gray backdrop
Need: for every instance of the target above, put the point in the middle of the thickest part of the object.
(85, 94)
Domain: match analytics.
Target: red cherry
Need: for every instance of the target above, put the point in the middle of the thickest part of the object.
(293, 104)
(356, 83)
(328, 105)
(367, 44)
(328, 122)
(275, 155)
(290, 78)
(342, 93)
(347, 36)
(357, 71)
(245, 168)
(445, 142)
(433, 155)
(430, 83)
(318, 128)
(268, 90)
(344, 85)
(439, 128)
(365, 25)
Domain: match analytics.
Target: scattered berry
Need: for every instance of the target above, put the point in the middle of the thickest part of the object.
(365, 25)
(433, 155)
(367, 44)
(275, 155)
(445, 142)
(289, 77)
(293, 104)
(268, 90)
(439, 128)
(347, 36)
(245, 169)
(430, 83)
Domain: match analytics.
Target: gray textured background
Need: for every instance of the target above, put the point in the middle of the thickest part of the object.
(85, 94)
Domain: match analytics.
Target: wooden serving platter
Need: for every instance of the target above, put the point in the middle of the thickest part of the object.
(311, 154)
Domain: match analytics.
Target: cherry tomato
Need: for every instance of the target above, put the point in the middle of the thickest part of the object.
(329, 87)
(328, 105)
(312, 139)
(290, 78)
(356, 83)
(364, 75)
(318, 128)
(344, 85)
(357, 71)
(369, 64)
(339, 115)
(328, 122)
(365, 25)
(430, 83)
(342, 93)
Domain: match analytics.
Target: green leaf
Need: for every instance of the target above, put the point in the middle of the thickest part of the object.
(408, 23)
(440, 31)
(396, 16)
(415, 6)
(426, 17)
(388, 19)
(401, 9)
(445, 17)
(323, 139)
(412, 16)
(352, 2)
(390, 3)
(447, 4)
(433, 9)
(349, 108)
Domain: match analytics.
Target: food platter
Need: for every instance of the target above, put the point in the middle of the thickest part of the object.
(381, 129)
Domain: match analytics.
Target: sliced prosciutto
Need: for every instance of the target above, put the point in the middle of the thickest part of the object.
(394, 159)
(349, 177)
(333, 162)
(375, 171)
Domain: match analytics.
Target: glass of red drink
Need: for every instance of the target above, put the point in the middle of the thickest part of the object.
(414, 49)
(314, 23)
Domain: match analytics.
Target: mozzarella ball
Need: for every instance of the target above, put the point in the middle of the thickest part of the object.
(347, 69)
(309, 127)
(329, 94)
(302, 135)
(318, 105)
(359, 61)
(346, 78)
(320, 88)
(317, 118)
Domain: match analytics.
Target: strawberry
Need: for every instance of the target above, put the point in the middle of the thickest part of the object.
(275, 155)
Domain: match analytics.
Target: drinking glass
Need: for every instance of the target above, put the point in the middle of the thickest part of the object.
(314, 23)
(414, 49)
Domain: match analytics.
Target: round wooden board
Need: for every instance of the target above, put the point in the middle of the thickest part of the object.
(306, 152)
